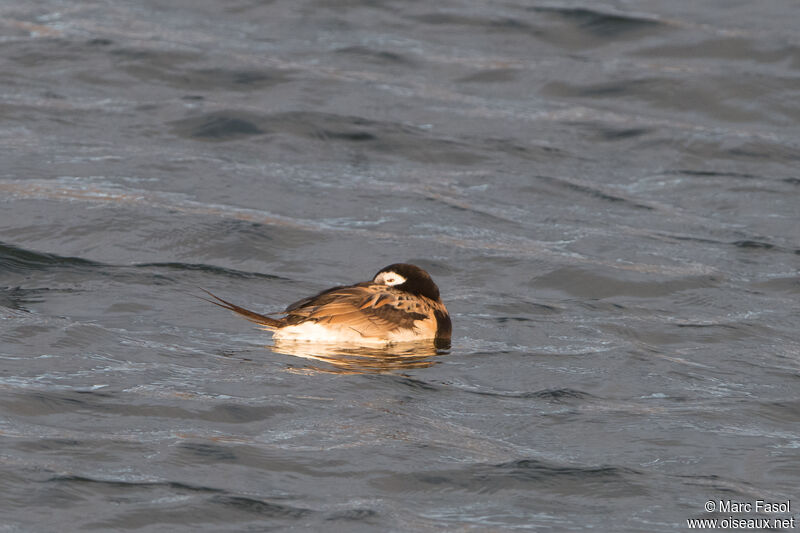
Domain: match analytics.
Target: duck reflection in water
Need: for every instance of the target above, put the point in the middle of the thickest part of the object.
(344, 359)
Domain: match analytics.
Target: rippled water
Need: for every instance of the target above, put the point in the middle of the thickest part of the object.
(607, 195)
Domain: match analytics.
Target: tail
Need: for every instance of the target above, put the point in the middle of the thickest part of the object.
(263, 320)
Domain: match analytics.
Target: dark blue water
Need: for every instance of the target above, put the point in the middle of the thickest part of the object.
(607, 195)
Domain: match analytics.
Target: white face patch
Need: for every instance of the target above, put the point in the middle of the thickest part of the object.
(389, 278)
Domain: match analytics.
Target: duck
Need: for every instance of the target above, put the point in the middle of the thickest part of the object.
(400, 304)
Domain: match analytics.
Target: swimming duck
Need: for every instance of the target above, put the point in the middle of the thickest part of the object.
(400, 304)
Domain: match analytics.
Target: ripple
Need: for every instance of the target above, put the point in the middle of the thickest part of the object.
(593, 284)
(376, 55)
(208, 79)
(220, 126)
(609, 481)
(557, 396)
(386, 137)
(14, 259)
(604, 24)
(160, 502)
(210, 269)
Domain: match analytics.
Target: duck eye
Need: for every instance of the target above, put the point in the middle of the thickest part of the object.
(391, 279)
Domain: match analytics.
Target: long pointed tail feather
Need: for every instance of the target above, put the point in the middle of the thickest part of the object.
(258, 318)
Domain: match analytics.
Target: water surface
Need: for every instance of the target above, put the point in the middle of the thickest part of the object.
(606, 195)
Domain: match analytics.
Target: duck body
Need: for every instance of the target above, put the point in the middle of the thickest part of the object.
(400, 304)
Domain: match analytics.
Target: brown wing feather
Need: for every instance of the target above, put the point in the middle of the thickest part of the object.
(370, 309)
(323, 297)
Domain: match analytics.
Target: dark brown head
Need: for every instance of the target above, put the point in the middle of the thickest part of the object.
(409, 278)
